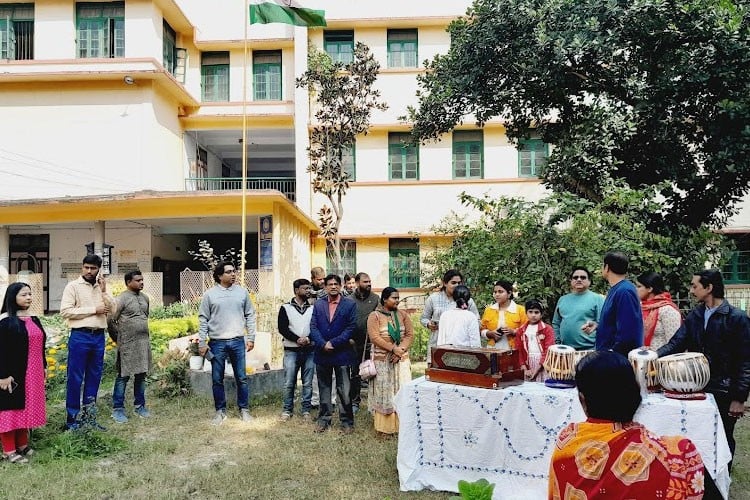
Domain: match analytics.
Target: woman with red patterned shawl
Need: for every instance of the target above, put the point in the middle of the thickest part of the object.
(661, 317)
(610, 456)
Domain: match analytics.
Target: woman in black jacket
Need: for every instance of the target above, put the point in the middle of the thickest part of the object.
(22, 373)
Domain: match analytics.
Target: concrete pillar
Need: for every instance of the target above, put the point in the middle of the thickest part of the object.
(301, 117)
(4, 256)
(99, 238)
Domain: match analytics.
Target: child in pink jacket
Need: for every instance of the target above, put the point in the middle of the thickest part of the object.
(533, 339)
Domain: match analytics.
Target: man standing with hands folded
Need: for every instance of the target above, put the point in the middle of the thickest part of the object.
(227, 318)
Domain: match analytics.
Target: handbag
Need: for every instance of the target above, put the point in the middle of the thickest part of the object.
(367, 370)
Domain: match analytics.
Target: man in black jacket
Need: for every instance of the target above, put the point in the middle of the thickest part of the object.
(366, 303)
(722, 333)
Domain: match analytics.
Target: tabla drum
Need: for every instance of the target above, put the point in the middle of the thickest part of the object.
(579, 355)
(684, 375)
(644, 366)
(560, 367)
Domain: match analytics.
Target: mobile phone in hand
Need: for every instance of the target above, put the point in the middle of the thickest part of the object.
(13, 386)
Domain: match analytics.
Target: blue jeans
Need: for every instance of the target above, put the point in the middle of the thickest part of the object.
(234, 350)
(85, 366)
(325, 381)
(295, 362)
(139, 390)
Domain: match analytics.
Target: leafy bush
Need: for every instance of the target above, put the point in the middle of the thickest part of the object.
(174, 310)
(170, 376)
(163, 330)
(418, 349)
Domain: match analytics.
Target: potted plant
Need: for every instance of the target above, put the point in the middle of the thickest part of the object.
(196, 360)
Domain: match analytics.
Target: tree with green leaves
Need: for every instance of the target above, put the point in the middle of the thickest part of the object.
(344, 99)
(536, 244)
(648, 93)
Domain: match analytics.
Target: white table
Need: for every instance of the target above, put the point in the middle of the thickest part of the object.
(507, 436)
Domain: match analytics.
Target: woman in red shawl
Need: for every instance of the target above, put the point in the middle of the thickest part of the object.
(661, 317)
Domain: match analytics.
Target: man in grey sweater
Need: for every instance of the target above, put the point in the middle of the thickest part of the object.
(227, 318)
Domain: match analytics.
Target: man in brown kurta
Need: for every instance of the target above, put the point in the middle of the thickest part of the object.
(128, 327)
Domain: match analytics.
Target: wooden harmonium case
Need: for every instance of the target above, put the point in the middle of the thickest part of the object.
(474, 366)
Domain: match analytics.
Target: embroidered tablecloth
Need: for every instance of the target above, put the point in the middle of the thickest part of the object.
(450, 432)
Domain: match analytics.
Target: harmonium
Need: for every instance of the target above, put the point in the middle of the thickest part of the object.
(474, 366)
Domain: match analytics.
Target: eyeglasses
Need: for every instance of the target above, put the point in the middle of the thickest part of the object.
(579, 278)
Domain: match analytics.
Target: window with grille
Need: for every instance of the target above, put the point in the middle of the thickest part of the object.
(402, 48)
(403, 158)
(737, 270)
(101, 29)
(348, 258)
(215, 76)
(267, 75)
(17, 31)
(339, 45)
(468, 154)
(532, 157)
(404, 263)
(349, 162)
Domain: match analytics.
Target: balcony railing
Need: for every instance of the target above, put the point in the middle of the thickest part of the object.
(286, 185)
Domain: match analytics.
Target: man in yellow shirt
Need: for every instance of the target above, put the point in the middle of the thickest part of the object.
(85, 305)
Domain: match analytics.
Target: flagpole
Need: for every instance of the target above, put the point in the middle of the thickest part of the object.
(244, 148)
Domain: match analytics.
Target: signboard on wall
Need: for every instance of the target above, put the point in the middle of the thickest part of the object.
(70, 268)
(265, 241)
(126, 267)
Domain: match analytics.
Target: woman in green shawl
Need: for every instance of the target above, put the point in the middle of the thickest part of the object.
(391, 333)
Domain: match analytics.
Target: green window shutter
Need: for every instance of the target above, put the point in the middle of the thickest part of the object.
(169, 48)
(532, 157)
(403, 158)
(17, 31)
(101, 29)
(339, 45)
(349, 162)
(267, 75)
(468, 154)
(180, 64)
(402, 48)
(737, 270)
(403, 266)
(215, 76)
(7, 40)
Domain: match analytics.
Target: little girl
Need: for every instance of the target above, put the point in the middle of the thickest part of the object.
(533, 340)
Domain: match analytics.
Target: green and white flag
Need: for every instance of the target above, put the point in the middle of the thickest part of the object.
(284, 11)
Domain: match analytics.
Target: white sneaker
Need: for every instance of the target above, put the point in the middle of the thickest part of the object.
(285, 416)
(219, 418)
(245, 415)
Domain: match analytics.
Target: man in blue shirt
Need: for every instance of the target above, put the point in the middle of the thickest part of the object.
(620, 325)
(577, 312)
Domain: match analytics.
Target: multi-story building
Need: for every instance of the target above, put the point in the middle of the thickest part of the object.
(121, 127)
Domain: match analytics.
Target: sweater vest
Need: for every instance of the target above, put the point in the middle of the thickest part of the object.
(299, 324)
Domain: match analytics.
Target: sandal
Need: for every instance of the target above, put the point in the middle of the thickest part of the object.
(26, 452)
(15, 458)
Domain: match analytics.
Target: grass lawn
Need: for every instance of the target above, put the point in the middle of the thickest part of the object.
(178, 454)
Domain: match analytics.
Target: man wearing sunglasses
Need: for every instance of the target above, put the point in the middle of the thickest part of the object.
(576, 313)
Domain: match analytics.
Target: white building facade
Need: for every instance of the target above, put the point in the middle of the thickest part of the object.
(121, 124)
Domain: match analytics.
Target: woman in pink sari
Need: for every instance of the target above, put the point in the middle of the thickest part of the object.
(661, 317)
(22, 366)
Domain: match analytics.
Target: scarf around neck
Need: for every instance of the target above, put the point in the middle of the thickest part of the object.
(650, 308)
